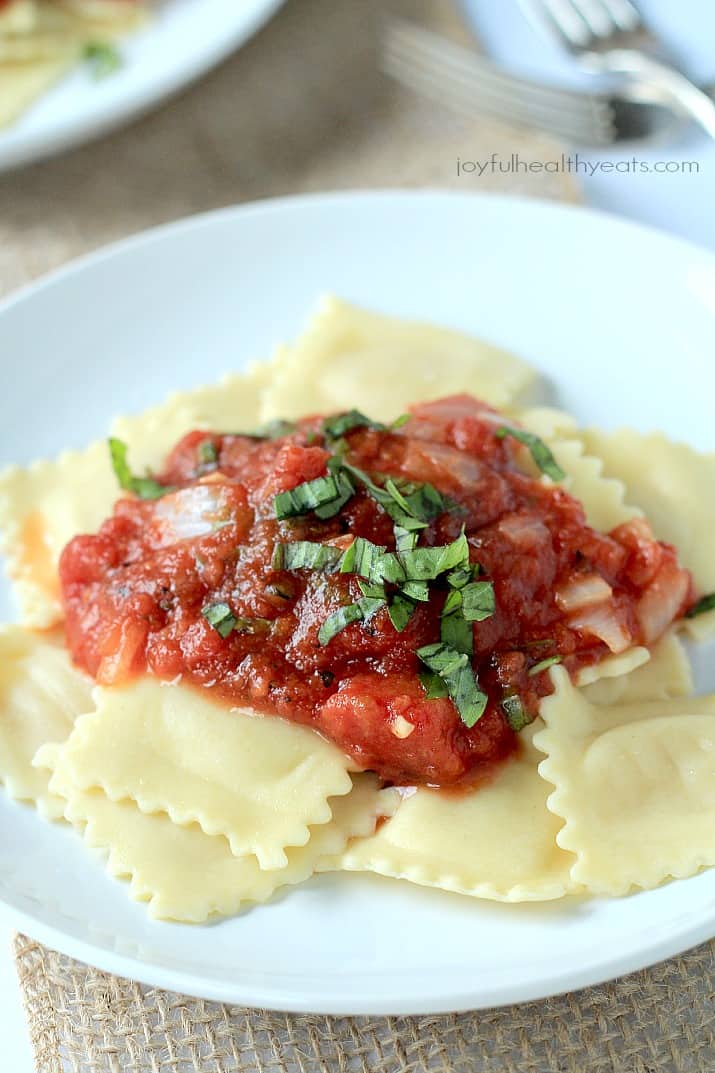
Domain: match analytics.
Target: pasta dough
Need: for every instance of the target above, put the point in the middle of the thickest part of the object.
(634, 785)
(260, 782)
(41, 694)
(187, 875)
(457, 842)
(348, 357)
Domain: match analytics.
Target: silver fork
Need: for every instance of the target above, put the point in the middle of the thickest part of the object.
(611, 36)
(456, 76)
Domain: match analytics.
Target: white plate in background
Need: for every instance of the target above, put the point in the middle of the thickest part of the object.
(182, 41)
(619, 318)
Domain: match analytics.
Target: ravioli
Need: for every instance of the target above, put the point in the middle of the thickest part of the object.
(41, 694)
(261, 782)
(205, 810)
(498, 842)
(634, 785)
(186, 875)
(348, 357)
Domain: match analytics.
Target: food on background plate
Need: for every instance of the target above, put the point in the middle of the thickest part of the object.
(42, 40)
(432, 639)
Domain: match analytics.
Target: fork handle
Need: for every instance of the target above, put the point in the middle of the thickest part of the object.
(670, 86)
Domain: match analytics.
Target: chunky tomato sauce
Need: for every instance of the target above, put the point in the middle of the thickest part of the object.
(137, 592)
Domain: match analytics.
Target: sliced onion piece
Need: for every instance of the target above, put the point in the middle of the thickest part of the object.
(524, 530)
(584, 591)
(192, 512)
(662, 601)
(604, 622)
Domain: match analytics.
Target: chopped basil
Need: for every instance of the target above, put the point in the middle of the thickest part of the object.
(416, 590)
(401, 609)
(434, 686)
(220, 617)
(544, 665)
(252, 625)
(103, 58)
(207, 453)
(336, 427)
(540, 452)
(455, 669)
(516, 717)
(478, 601)
(337, 622)
(317, 495)
(460, 577)
(455, 631)
(144, 487)
(361, 611)
(373, 590)
(427, 503)
(405, 539)
(704, 604)
(362, 558)
(346, 491)
(425, 564)
(306, 555)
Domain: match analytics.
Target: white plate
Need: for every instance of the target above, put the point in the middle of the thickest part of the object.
(621, 319)
(184, 39)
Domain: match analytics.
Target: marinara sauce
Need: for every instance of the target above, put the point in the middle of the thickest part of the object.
(186, 586)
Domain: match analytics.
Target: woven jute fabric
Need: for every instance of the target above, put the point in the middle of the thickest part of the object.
(661, 1020)
(303, 108)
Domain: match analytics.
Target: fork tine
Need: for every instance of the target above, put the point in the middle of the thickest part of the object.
(422, 53)
(597, 17)
(624, 14)
(428, 71)
(562, 21)
(496, 106)
(416, 43)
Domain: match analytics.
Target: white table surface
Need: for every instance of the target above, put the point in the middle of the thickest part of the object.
(677, 203)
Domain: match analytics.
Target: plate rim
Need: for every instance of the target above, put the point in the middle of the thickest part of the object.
(609, 965)
(78, 130)
(289, 202)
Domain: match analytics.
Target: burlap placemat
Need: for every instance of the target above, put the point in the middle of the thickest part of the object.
(84, 1021)
(303, 107)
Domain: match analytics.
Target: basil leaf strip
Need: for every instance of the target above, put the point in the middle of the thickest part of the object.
(516, 717)
(317, 495)
(540, 452)
(544, 665)
(103, 58)
(425, 564)
(433, 685)
(361, 611)
(362, 558)
(306, 555)
(478, 601)
(207, 453)
(220, 617)
(704, 604)
(455, 669)
(144, 487)
(336, 427)
(401, 609)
